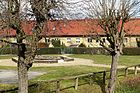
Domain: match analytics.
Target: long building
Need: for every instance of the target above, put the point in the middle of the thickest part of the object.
(74, 32)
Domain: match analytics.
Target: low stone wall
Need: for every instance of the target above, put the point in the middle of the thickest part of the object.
(52, 59)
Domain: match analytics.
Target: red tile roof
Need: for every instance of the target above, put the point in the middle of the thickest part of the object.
(73, 28)
(9, 32)
(133, 27)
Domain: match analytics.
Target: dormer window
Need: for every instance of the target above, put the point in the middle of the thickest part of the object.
(54, 28)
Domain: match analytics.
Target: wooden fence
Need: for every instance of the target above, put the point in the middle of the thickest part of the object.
(76, 79)
(133, 67)
(90, 76)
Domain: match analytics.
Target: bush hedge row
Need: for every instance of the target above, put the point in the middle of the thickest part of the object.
(126, 51)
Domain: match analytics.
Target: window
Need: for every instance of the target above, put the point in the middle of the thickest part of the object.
(68, 40)
(77, 40)
(97, 41)
(137, 39)
(103, 39)
(47, 40)
(54, 28)
(90, 40)
(125, 40)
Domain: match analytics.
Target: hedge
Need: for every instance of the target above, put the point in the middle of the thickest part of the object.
(8, 51)
(126, 51)
(131, 51)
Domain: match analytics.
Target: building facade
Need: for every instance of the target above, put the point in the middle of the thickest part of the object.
(72, 33)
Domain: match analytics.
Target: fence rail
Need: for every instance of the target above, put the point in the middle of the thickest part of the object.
(76, 79)
(135, 69)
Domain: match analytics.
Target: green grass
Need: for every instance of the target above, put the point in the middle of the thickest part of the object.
(130, 84)
(7, 86)
(6, 56)
(59, 72)
(7, 68)
(55, 73)
(106, 59)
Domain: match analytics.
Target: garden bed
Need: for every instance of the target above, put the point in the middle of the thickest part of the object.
(52, 59)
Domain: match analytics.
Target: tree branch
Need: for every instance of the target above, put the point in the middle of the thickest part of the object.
(8, 42)
(110, 50)
(15, 60)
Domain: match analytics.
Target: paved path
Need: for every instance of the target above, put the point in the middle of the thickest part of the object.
(77, 61)
(10, 76)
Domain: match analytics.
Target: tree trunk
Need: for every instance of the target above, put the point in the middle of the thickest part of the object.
(22, 77)
(113, 72)
(22, 70)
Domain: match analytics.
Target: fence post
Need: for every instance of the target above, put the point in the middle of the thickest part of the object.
(104, 77)
(126, 72)
(38, 87)
(90, 79)
(76, 83)
(136, 70)
(58, 86)
(104, 82)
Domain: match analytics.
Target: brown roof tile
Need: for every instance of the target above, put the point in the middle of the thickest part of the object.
(73, 28)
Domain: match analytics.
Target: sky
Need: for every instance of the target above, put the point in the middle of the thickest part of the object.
(73, 10)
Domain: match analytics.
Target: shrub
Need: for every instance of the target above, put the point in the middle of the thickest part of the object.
(80, 50)
(131, 51)
(129, 85)
(82, 45)
(8, 50)
(57, 43)
(49, 51)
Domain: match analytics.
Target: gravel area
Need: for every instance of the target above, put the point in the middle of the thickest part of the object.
(10, 76)
(77, 61)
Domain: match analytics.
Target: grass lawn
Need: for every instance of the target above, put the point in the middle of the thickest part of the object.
(59, 72)
(6, 56)
(7, 68)
(106, 59)
(54, 73)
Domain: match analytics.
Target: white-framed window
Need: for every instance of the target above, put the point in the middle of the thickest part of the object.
(89, 39)
(77, 40)
(137, 39)
(97, 41)
(125, 40)
(104, 40)
(68, 40)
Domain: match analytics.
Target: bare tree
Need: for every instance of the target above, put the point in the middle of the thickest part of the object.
(41, 11)
(111, 16)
